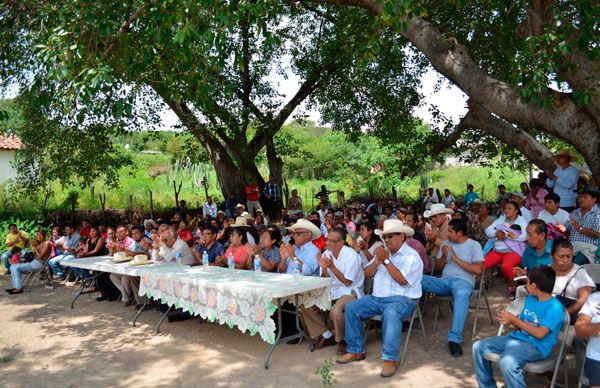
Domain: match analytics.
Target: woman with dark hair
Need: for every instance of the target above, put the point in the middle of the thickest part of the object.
(237, 242)
(42, 249)
(366, 244)
(534, 200)
(503, 238)
(267, 250)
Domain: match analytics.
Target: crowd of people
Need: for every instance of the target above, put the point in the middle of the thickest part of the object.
(382, 259)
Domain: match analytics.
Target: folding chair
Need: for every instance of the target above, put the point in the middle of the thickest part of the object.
(594, 271)
(415, 314)
(552, 363)
(42, 274)
(478, 292)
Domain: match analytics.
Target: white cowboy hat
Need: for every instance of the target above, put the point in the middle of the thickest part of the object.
(240, 222)
(240, 205)
(437, 208)
(140, 260)
(150, 221)
(306, 224)
(395, 226)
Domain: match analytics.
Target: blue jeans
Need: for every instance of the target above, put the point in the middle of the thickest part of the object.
(6, 259)
(514, 354)
(393, 309)
(460, 290)
(54, 263)
(16, 271)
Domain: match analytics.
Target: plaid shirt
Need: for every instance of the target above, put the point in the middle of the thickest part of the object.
(591, 220)
(272, 190)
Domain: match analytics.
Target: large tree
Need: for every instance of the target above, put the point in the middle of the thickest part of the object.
(528, 68)
(104, 66)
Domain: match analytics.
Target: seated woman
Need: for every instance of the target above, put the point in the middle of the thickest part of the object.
(237, 241)
(267, 251)
(501, 242)
(185, 234)
(42, 249)
(573, 284)
(94, 246)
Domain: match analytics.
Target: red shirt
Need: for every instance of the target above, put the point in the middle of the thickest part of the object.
(186, 235)
(84, 232)
(252, 192)
(320, 243)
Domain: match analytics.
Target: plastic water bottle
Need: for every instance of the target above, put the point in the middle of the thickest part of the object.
(178, 256)
(296, 269)
(257, 264)
(230, 262)
(205, 259)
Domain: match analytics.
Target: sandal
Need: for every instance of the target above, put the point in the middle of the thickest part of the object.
(15, 291)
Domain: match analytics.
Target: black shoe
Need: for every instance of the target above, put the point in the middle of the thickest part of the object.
(101, 298)
(455, 349)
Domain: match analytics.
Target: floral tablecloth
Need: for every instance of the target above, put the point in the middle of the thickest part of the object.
(237, 298)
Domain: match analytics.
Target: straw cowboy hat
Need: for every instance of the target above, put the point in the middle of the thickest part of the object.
(437, 208)
(306, 224)
(395, 226)
(240, 222)
(564, 153)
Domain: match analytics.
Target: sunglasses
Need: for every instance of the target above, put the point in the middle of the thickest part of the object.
(390, 236)
(330, 240)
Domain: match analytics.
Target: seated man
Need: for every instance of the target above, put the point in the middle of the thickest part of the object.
(588, 326)
(130, 285)
(210, 245)
(584, 227)
(69, 248)
(537, 325)
(167, 246)
(460, 260)
(398, 271)
(342, 264)
(14, 238)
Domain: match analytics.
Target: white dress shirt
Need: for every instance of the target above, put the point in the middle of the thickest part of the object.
(408, 261)
(168, 254)
(348, 263)
(210, 210)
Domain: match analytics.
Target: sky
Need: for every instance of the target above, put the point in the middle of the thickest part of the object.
(450, 100)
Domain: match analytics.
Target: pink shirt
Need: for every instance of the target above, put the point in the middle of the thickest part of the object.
(240, 256)
(127, 243)
(535, 203)
(417, 246)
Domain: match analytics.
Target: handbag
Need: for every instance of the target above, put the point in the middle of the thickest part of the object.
(27, 257)
(564, 300)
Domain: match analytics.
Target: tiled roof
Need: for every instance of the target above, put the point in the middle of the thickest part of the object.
(10, 142)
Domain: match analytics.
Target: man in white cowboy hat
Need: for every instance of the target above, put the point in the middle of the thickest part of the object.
(304, 251)
(563, 180)
(437, 217)
(519, 198)
(460, 260)
(398, 271)
(241, 210)
(343, 265)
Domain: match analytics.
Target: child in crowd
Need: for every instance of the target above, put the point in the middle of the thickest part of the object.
(16, 255)
(537, 331)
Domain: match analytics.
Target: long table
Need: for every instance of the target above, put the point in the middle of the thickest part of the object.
(245, 299)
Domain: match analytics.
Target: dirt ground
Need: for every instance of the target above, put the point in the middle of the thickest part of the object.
(45, 343)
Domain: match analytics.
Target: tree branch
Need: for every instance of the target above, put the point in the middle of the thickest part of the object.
(317, 11)
(126, 26)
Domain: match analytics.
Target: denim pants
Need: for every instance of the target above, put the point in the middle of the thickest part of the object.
(54, 263)
(393, 310)
(16, 271)
(460, 290)
(6, 259)
(514, 354)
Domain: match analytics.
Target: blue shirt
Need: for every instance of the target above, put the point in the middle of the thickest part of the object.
(531, 259)
(71, 241)
(470, 196)
(565, 185)
(215, 250)
(548, 314)
(307, 254)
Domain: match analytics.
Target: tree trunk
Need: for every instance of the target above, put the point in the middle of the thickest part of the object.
(233, 179)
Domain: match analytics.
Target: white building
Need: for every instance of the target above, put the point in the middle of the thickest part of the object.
(9, 145)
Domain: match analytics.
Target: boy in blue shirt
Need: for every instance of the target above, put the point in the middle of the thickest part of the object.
(537, 331)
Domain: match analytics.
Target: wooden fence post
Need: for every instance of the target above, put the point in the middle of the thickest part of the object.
(151, 205)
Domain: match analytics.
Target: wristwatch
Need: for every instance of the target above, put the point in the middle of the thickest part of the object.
(580, 228)
(386, 261)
